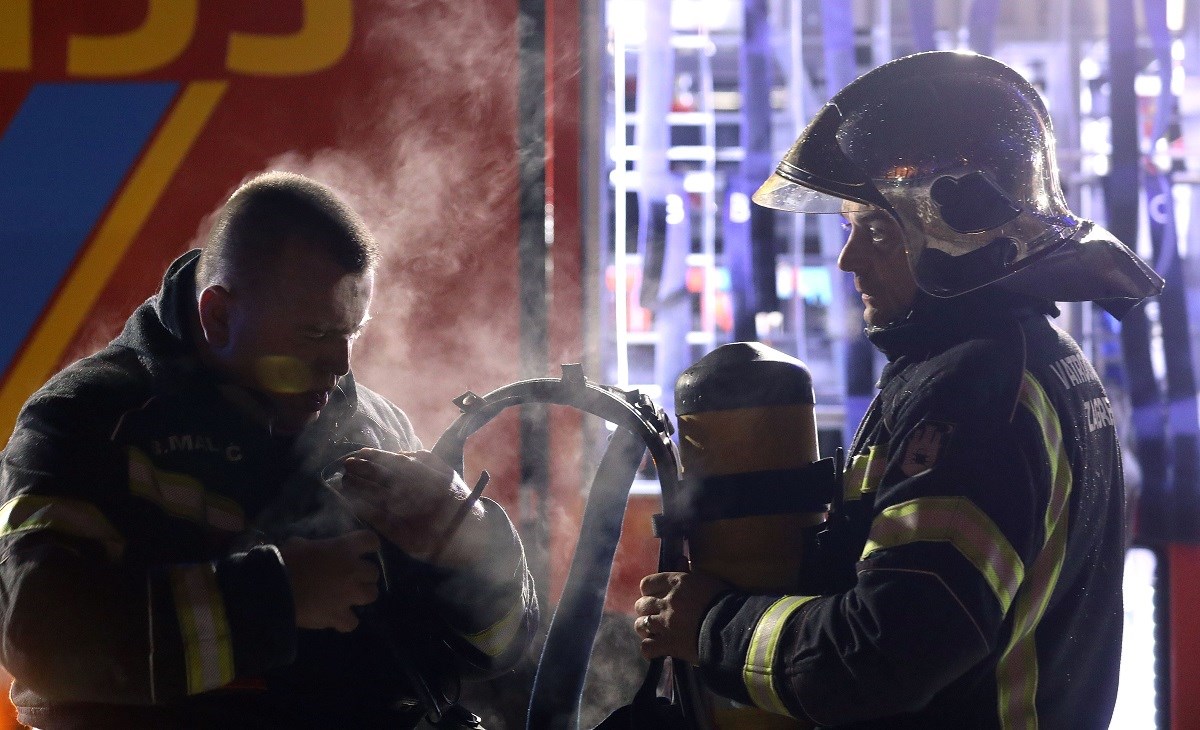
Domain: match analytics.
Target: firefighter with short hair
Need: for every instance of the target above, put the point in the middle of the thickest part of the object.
(973, 562)
(210, 524)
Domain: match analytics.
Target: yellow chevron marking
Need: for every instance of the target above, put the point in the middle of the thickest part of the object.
(67, 311)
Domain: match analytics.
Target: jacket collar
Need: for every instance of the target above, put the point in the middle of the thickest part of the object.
(934, 323)
(176, 300)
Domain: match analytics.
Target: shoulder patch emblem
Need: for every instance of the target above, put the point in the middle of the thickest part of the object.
(924, 444)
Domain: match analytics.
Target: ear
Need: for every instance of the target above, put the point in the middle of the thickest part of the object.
(214, 306)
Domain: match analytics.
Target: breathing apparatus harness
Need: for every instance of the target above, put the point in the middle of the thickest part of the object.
(672, 695)
(642, 426)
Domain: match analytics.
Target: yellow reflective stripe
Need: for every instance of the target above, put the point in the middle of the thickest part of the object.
(853, 478)
(1035, 399)
(1017, 670)
(958, 521)
(207, 647)
(759, 671)
(179, 494)
(499, 636)
(876, 465)
(864, 473)
(223, 513)
(182, 495)
(73, 517)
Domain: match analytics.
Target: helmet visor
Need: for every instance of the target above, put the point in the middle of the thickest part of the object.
(816, 176)
(780, 193)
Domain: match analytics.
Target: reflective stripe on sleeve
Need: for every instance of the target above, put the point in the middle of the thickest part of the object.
(864, 473)
(182, 495)
(207, 646)
(759, 670)
(958, 521)
(73, 517)
(499, 636)
(1017, 670)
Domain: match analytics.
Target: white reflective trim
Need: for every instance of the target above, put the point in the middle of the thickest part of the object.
(208, 652)
(182, 495)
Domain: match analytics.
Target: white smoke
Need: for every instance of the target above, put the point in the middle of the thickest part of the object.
(428, 157)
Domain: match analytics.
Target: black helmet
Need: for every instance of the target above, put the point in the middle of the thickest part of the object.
(958, 148)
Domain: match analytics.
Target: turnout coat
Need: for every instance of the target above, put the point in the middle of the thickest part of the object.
(977, 552)
(140, 585)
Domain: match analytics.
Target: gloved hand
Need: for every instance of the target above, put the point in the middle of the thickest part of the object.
(411, 499)
(330, 577)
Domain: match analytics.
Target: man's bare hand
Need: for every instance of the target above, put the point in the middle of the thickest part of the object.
(330, 577)
(670, 612)
(411, 498)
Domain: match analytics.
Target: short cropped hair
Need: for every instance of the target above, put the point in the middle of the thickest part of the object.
(275, 209)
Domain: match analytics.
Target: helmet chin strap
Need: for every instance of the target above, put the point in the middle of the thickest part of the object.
(903, 319)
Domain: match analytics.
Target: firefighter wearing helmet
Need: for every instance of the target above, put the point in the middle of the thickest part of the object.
(974, 557)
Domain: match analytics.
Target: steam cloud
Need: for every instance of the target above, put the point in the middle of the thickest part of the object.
(428, 156)
(429, 160)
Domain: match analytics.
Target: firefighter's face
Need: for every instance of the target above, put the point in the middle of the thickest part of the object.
(874, 252)
(288, 333)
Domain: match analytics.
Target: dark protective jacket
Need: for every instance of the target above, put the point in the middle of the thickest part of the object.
(982, 536)
(139, 582)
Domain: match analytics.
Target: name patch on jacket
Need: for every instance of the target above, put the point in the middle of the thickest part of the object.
(191, 443)
(1073, 370)
(925, 443)
(1097, 413)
